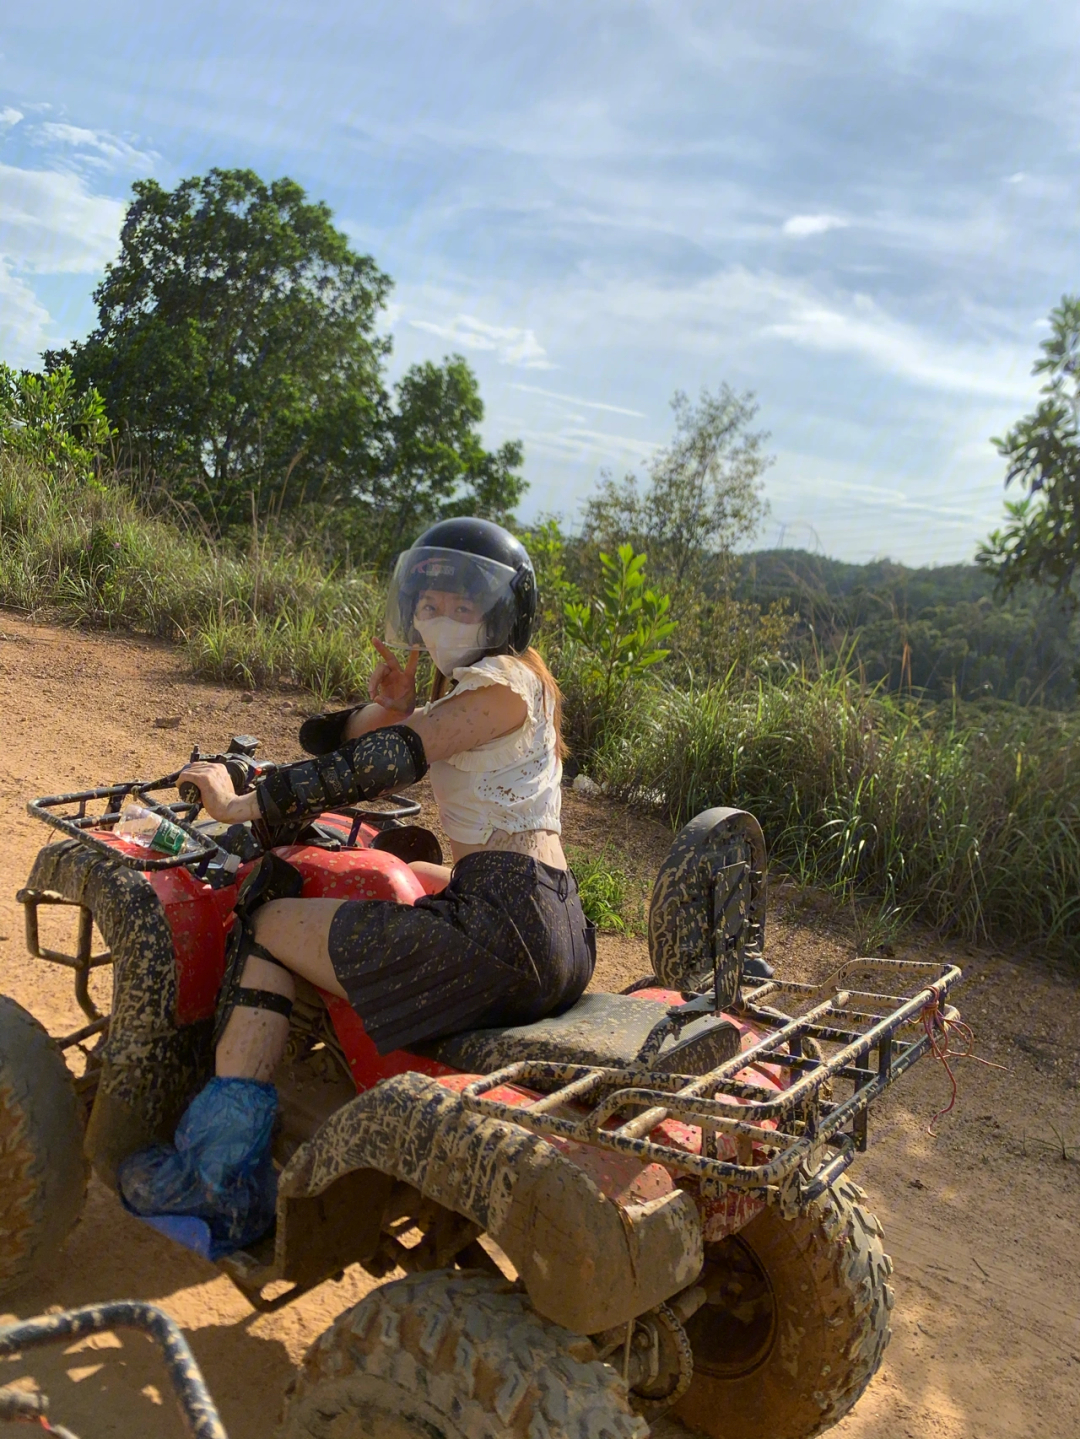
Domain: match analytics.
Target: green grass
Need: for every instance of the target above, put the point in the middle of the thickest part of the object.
(604, 889)
(269, 614)
(968, 820)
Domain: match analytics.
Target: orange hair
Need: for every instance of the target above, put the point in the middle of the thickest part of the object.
(534, 660)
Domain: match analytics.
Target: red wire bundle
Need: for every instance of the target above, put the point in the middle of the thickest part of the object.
(939, 1030)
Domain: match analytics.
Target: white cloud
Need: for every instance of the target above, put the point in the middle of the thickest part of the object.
(97, 148)
(51, 223)
(576, 444)
(9, 116)
(513, 346)
(24, 321)
(859, 326)
(802, 225)
(735, 310)
(574, 400)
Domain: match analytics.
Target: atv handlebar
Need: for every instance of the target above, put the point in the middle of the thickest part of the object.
(203, 853)
(243, 771)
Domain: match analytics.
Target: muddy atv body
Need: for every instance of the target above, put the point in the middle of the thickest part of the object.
(641, 1205)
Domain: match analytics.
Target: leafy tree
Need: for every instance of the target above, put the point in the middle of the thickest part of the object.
(938, 632)
(435, 465)
(236, 348)
(621, 630)
(235, 344)
(1040, 541)
(47, 420)
(703, 495)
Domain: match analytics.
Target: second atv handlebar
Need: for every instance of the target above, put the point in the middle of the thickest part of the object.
(200, 1415)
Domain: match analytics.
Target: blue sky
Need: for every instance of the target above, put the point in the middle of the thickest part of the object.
(862, 212)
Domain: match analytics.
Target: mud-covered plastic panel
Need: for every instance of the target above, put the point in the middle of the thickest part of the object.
(151, 1064)
(587, 1262)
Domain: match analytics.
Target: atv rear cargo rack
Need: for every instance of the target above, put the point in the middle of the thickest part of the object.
(807, 1137)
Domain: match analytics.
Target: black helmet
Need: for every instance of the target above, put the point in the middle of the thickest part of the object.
(477, 558)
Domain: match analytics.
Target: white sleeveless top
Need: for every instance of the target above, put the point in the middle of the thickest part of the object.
(512, 783)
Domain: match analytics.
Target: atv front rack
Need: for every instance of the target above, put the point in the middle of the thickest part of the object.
(49, 809)
(753, 1137)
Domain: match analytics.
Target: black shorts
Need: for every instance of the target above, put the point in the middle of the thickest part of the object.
(506, 942)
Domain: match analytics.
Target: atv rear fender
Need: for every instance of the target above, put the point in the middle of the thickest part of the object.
(587, 1262)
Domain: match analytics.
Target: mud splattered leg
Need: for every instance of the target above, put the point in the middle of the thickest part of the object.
(254, 1039)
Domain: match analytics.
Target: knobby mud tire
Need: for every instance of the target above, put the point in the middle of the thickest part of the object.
(459, 1356)
(42, 1169)
(795, 1371)
(698, 913)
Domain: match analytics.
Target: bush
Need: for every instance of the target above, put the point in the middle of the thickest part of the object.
(603, 889)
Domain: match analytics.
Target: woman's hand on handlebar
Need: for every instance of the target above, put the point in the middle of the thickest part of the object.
(219, 799)
(391, 686)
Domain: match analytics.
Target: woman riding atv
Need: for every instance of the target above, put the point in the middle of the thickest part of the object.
(499, 939)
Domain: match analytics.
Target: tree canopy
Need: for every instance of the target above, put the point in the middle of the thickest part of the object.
(703, 495)
(237, 351)
(1040, 541)
(435, 463)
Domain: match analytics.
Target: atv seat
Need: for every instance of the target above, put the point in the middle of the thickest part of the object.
(609, 1030)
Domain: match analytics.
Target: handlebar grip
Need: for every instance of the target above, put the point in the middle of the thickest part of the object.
(190, 793)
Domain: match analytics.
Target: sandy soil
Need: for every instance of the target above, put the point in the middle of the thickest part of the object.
(982, 1221)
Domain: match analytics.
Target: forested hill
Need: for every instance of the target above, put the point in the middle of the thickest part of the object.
(937, 630)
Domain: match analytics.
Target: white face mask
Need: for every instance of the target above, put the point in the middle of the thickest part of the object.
(450, 643)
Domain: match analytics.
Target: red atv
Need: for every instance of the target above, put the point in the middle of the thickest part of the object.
(638, 1206)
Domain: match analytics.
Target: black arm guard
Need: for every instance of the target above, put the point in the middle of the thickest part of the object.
(363, 768)
(322, 733)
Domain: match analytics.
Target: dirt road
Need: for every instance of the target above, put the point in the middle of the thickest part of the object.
(982, 1221)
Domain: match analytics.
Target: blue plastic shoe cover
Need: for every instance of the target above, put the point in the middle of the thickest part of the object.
(220, 1168)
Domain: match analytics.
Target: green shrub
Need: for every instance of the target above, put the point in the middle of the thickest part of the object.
(603, 888)
(47, 421)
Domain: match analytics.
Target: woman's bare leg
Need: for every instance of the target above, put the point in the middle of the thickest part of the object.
(434, 877)
(296, 931)
(254, 1039)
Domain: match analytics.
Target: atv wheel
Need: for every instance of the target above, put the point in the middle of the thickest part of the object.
(708, 903)
(451, 1355)
(42, 1169)
(796, 1322)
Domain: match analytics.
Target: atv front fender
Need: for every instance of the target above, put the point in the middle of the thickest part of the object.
(151, 1064)
(586, 1262)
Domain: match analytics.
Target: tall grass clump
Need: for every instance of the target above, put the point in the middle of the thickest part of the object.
(969, 820)
(85, 553)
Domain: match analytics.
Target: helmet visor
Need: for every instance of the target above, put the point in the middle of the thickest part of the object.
(430, 583)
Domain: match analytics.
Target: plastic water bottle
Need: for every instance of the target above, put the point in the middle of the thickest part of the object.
(142, 825)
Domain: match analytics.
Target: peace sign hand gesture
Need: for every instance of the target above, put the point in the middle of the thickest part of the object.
(391, 686)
